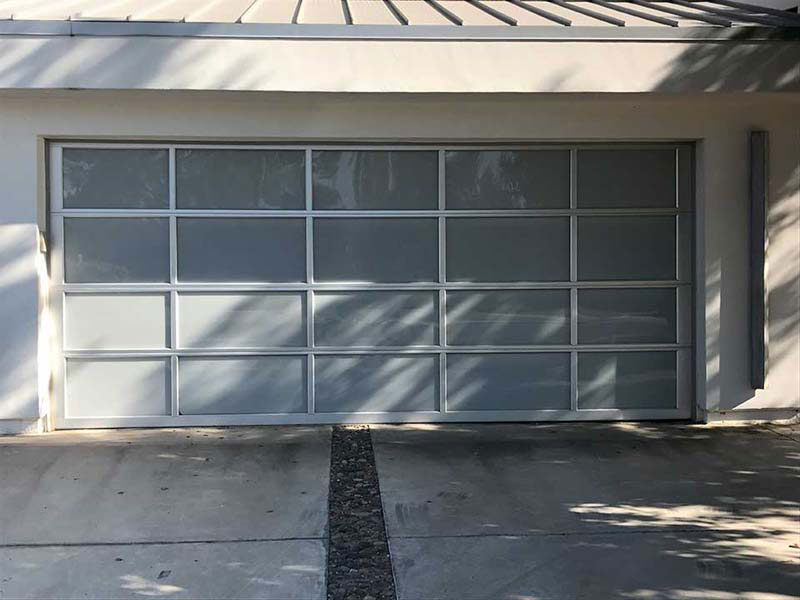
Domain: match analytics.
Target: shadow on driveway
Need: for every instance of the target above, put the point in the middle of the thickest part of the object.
(591, 511)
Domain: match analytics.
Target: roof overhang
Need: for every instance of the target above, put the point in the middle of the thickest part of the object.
(393, 32)
(384, 58)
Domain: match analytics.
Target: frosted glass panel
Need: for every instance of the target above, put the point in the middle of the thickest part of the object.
(508, 381)
(116, 250)
(376, 318)
(377, 383)
(507, 179)
(626, 248)
(119, 321)
(376, 250)
(115, 178)
(508, 249)
(626, 178)
(253, 250)
(259, 384)
(117, 388)
(239, 320)
(627, 380)
(375, 180)
(507, 318)
(240, 179)
(626, 316)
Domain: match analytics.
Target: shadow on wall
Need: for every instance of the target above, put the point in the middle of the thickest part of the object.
(741, 64)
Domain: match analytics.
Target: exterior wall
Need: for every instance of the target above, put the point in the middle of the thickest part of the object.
(502, 65)
(719, 122)
(19, 292)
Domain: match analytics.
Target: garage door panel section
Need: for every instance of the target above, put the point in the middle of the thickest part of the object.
(240, 179)
(203, 284)
(95, 321)
(627, 316)
(616, 178)
(375, 180)
(242, 385)
(116, 250)
(242, 320)
(506, 180)
(505, 381)
(508, 249)
(385, 250)
(241, 250)
(107, 178)
(627, 380)
(627, 248)
(508, 317)
(380, 383)
(376, 318)
(117, 387)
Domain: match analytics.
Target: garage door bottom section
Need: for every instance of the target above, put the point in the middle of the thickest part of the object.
(211, 285)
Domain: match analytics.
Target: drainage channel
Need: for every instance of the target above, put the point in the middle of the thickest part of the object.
(359, 565)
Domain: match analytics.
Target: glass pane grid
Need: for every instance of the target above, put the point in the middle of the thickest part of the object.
(568, 281)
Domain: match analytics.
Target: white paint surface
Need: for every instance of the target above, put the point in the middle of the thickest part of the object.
(435, 66)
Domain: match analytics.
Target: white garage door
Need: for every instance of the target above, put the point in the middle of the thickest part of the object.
(199, 284)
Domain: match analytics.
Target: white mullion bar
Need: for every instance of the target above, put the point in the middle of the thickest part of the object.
(59, 363)
(57, 308)
(58, 311)
(309, 183)
(442, 246)
(508, 144)
(57, 266)
(573, 276)
(277, 351)
(174, 407)
(56, 187)
(310, 381)
(111, 145)
(173, 279)
(360, 286)
(362, 214)
(573, 219)
(172, 181)
(573, 380)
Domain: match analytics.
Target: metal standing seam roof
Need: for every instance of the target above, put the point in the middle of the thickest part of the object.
(454, 13)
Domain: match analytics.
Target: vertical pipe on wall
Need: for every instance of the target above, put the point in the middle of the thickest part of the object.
(759, 156)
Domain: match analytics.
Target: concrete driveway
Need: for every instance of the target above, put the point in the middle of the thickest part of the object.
(198, 513)
(591, 511)
(512, 512)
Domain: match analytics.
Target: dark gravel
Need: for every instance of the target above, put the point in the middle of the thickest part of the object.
(359, 566)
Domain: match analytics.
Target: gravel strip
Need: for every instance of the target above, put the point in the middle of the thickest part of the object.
(359, 565)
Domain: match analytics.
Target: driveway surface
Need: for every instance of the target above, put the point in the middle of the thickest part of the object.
(195, 513)
(518, 512)
(591, 511)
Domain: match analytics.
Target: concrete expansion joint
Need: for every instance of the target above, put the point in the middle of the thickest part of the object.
(550, 534)
(782, 435)
(159, 542)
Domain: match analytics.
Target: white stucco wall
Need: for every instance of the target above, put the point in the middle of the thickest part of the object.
(400, 66)
(719, 122)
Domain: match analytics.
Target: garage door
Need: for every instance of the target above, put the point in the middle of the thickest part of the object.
(200, 284)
